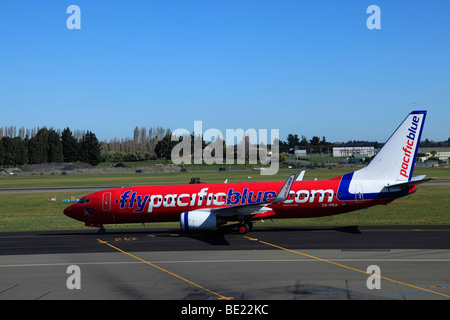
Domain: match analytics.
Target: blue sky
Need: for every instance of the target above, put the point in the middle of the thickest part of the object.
(303, 67)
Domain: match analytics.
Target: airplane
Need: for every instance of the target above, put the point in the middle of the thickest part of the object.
(203, 207)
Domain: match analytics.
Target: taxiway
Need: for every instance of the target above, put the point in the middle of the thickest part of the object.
(273, 263)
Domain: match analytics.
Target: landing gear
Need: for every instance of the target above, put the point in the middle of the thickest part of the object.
(245, 227)
(102, 230)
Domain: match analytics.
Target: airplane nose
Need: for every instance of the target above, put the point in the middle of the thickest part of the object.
(72, 212)
(69, 211)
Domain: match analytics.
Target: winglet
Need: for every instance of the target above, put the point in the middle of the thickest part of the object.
(284, 191)
(300, 176)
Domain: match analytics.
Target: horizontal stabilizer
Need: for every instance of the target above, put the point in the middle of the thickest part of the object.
(414, 181)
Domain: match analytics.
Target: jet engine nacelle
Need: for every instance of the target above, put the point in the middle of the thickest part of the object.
(200, 219)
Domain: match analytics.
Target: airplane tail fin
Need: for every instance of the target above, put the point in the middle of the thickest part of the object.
(395, 161)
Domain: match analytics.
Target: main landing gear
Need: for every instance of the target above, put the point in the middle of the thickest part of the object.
(244, 227)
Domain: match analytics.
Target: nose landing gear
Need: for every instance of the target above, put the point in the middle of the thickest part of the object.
(102, 230)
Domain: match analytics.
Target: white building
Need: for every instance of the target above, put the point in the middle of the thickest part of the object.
(353, 151)
(300, 153)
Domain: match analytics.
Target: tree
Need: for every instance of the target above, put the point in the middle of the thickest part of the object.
(45, 146)
(13, 151)
(315, 141)
(90, 149)
(164, 147)
(70, 146)
(2, 152)
(21, 151)
(304, 142)
(38, 147)
(54, 152)
(293, 140)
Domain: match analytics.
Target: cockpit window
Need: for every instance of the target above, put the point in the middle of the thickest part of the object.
(84, 200)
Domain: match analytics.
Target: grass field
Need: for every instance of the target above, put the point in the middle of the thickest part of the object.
(34, 181)
(34, 211)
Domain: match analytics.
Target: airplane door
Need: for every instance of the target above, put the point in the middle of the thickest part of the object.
(106, 201)
(359, 195)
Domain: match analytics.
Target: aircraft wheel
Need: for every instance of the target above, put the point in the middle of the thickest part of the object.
(101, 230)
(243, 228)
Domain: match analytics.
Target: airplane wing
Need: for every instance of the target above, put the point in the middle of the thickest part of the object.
(258, 208)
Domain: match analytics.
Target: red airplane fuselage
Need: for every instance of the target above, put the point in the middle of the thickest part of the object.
(165, 203)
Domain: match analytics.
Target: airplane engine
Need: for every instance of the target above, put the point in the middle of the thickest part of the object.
(200, 220)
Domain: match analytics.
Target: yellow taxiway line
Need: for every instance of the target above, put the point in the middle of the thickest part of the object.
(167, 271)
(346, 267)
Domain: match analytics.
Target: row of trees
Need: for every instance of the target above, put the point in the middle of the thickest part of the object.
(26, 133)
(48, 146)
(33, 146)
(434, 144)
(24, 146)
(313, 145)
(139, 148)
(143, 140)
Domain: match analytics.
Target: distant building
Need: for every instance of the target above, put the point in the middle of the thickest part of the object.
(444, 157)
(299, 153)
(357, 152)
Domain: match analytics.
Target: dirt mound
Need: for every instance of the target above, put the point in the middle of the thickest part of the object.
(54, 167)
(86, 168)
